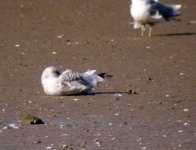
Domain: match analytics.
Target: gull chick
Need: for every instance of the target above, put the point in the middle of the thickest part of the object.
(55, 82)
(150, 12)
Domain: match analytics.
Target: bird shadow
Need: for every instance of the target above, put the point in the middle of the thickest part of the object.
(178, 34)
(107, 93)
(99, 93)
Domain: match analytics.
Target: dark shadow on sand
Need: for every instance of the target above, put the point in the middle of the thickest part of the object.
(98, 93)
(106, 93)
(92, 94)
(178, 34)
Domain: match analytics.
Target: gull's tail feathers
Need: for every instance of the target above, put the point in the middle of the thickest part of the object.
(176, 8)
(92, 78)
(105, 75)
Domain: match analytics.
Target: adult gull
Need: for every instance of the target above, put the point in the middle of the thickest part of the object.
(150, 12)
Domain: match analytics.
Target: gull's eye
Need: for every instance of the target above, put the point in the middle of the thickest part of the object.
(57, 73)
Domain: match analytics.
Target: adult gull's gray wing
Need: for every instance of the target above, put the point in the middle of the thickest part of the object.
(167, 12)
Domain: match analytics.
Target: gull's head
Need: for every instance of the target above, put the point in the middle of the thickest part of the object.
(51, 72)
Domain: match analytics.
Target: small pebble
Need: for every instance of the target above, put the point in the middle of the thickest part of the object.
(98, 134)
(68, 43)
(139, 139)
(4, 128)
(75, 99)
(37, 142)
(17, 45)
(97, 142)
(60, 36)
(167, 95)
(186, 110)
(117, 114)
(179, 121)
(192, 22)
(181, 73)
(187, 124)
(110, 124)
(48, 147)
(164, 136)
(144, 148)
(180, 131)
(148, 47)
(54, 53)
(64, 146)
(29, 102)
(171, 57)
(113, 139)
(118, 95)
(64, 134)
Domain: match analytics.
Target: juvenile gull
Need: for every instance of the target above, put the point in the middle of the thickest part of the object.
(68, 82)
(151, 12)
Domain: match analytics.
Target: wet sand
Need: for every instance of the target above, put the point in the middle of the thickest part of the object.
(96, 34)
